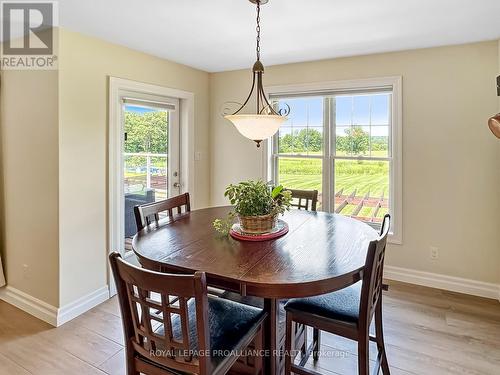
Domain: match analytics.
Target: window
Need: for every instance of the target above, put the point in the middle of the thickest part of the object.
(344, 141)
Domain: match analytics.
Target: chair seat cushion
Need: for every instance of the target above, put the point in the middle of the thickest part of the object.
(259, 302)
(342, 305)
(229, 322)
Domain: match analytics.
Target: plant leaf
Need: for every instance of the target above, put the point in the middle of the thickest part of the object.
(277, 191)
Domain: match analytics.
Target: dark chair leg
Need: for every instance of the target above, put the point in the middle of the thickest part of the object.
(288, 344)
(363, 355)
(316, 343)
(379, 334)
(131, 370)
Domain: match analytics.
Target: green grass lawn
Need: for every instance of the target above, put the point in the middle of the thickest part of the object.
(364, 176)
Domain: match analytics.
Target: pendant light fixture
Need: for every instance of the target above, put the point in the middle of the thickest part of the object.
(266, 120)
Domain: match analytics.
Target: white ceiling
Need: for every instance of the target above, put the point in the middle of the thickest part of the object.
(219, 35)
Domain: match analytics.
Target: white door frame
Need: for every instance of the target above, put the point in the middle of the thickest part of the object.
(119, 87)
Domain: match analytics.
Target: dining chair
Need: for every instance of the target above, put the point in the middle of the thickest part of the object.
(146, 213)
(347, 312)
(299, 330)
(185, 330)
(304, 199)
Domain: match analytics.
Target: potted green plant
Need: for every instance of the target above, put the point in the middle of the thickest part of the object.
(256, 205)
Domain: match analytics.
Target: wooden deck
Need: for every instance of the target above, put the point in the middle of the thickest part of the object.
(361, 206)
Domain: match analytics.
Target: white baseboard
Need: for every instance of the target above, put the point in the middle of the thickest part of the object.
(33, 306)
(81, 305)
(51, 314)
(450, 283)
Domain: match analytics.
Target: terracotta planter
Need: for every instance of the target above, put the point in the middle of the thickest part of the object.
(258, 224)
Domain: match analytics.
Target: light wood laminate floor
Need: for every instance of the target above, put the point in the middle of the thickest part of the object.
(428, 332)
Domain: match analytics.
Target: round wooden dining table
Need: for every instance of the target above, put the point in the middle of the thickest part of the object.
(321, 253)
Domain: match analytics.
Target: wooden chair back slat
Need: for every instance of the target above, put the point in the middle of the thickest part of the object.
(373, 274)
(168, 323)
(148, 213)
(148, 322)
(310, 198)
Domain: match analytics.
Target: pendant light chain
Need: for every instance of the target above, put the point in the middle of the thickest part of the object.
(258, 30)
(265, 121)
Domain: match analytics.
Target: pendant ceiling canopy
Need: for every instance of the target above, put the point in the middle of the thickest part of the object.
(266, 120)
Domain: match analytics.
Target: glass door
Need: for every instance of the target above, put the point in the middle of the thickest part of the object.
(150, 156)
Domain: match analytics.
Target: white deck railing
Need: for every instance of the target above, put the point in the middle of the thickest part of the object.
(148, 156)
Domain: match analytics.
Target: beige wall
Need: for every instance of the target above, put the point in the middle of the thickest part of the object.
(54, 159)
(29, 118)
(450, 160)
(54, 156)
(85, 65)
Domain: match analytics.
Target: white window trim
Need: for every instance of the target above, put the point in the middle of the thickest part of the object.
(396, 186)
(118, 87)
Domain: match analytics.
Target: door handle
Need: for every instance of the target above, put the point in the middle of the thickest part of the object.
(177, 185)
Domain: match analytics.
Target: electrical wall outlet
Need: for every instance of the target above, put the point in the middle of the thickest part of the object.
(434, 252)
